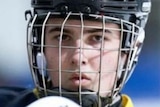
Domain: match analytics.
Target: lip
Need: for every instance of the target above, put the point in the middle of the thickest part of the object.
(76, 80)
(76, 76)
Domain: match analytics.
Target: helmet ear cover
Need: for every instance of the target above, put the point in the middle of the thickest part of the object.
(137, 45)
(39, 61)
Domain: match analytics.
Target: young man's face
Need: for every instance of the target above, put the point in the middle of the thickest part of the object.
(90, 60)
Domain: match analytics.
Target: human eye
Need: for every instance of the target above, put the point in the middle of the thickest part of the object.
(99, 38)
(64, 37)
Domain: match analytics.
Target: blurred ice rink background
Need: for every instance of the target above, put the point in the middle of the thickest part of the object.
(143, 87)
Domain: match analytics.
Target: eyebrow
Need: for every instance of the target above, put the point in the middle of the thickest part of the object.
(53, 29)
(97, 30)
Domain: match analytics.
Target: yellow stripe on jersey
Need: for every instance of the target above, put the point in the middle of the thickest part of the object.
(126, 101)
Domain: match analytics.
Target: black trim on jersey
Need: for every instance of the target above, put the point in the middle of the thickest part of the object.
(21, 97)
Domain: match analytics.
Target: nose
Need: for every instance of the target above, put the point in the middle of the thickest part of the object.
(79, 59)
(79, 55)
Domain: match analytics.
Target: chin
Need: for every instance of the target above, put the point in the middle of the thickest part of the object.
(77, 88)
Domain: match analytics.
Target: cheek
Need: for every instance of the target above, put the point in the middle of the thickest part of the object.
(108, 62)
(51, 59)
(54, 77)
(107, 80)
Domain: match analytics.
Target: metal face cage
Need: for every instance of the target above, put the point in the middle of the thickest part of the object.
(36, 45)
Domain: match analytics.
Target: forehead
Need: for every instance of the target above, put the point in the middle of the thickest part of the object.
(80, 23)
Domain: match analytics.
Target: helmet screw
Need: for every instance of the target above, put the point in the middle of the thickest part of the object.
(64, 9)
(87, 9)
